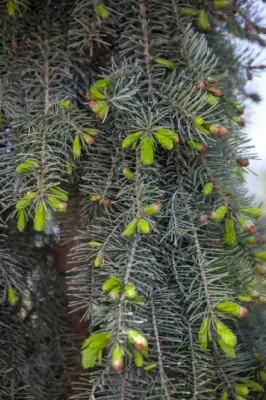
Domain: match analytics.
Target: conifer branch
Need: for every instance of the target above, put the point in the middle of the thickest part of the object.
(199, 257)
(176, 15)
(97, 383)
(214, 181)
(194, 370)
(203, 273)
(146, 50)
(120, 323)
(111, 173)
(159, 352)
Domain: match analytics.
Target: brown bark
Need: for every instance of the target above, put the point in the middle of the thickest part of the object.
(69, 225)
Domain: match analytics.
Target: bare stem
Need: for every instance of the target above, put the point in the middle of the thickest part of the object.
(159, 352)
(147, 57)
(193, 365)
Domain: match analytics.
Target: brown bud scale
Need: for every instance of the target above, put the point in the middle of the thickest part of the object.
(262, 271)
(243, 162)
(215, 91)
(243, 312)
(200, 85)
(251, 228)
(117, 365)
(203, 219)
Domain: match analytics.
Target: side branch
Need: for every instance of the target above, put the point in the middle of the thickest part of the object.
(203, 273)
(159, 352)
(147, 57)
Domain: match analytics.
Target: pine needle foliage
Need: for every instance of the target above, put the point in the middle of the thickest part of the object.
(132, 110)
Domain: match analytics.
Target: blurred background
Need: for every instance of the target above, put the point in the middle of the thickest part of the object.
(256, 129)
(256, 124)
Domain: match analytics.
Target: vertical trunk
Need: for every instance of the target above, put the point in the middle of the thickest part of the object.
(65, 264)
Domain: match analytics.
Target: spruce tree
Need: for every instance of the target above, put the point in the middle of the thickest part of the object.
(130, 268)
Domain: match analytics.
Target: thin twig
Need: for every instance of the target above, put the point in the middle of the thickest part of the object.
(213, 179)
(123, 298)
(159, 352)
(147, 57)
(195, 386)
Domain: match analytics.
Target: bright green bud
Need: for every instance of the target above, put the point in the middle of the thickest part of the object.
(92, 348)
(196, 146)
(114, 293)
(228, 350)
(95, 94)
(138, 359)
(252, 212)
(128, 173)
(94, 197)
(245, 299)
(153, 208)
(210, 99)
(189, 11)
(110, 283)
(247, 224)
(26, 166)
(222, 3)
(204, 334)
(117, 359)
(65, 104)
(230, 235)
(237, 106)
(229, 307)
(131, 139)
(130, 291)
(130, 228)
(57, 204)
(224, 396)
(102, 83)
(242, 390)
(100, 108)
(208, 188)
(225, 334)
(150, 366)
(166, 142)
(261, 256)
(144, 226)
(253, 385)
(198, 121)
(76, 147)
(90, 131)
(88, 139)
(203, 130)
(167, 132)
(103, 12)
(98, 260)
(95, 245)
(137, 339)
(25, 201)
(11, 8)
(263, 376)
(61, 194)
(219, 214)
(165, 63)
(40, 217)
(12, 296)
(68, 168)
(22, 220)
(147, 151)
(203, 21)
